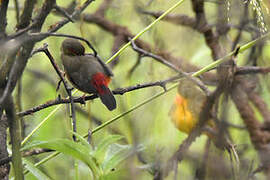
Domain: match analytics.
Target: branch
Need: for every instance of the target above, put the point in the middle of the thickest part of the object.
(211, 38)
(68, 89)
(259, 138)
(3, 18)
(15, 135)
(261, 106)
(156, 57)
(170, 65)
(252, 70)
(103, 7)
(242, 25)
(204, 116)
(81, 100)
(25, 154)
(26, 15)
(54, 28)
(178, 19)
(124, 32)
(74, 15)
(119, 40)
(38, 35)
(184, 20)
(22, 59)
(4, 169)
(63, 12)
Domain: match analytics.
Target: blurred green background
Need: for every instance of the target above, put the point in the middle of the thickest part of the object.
(150, 125)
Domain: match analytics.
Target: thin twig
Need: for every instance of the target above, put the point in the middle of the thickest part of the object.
(63, 12)
(170, 65)
(26, 154)
(82, 100)
(73, 16)
(133, 68)
(65, 35)
(68, 89)
(251, 70)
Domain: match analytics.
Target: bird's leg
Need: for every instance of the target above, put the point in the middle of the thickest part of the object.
(83, 99)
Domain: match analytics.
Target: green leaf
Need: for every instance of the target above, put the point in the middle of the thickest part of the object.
(82, 140)
(102, 147)
(34, 170)
(116, 154)
(76, 150)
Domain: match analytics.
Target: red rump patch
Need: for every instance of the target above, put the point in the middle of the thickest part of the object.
(100, 80)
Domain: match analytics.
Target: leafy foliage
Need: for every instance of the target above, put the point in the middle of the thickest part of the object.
(101, 160)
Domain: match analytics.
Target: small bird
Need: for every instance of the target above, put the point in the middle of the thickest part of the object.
(187, 106)
(185, 114)
(87, 72)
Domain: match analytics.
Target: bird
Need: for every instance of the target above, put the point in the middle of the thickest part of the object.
(187, 106)
(185, 113)
(87, 72)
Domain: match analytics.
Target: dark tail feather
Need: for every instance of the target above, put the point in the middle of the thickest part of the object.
(107, 98)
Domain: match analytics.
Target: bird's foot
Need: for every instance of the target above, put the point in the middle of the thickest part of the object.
(83, 99)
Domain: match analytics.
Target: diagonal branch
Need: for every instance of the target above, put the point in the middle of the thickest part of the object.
(170, 65)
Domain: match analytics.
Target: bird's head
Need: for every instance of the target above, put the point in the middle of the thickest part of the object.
(188, 89)
(72, 47)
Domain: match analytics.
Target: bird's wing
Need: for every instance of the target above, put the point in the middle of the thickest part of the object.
(75, 71)
(106, 69)
(195, 104)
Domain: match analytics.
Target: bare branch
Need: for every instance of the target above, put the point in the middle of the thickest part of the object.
(252, 70)
(170, 65)
(178, 19)
(38, 35)
(26, 15)
(3, 18)
(73, 16)
(63, 12)
(103, 7)
(22, 59)
(81, 100)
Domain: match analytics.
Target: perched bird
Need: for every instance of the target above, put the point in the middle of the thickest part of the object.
(86, 72)
(185, 114)
(187, 105)
(186, 109)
